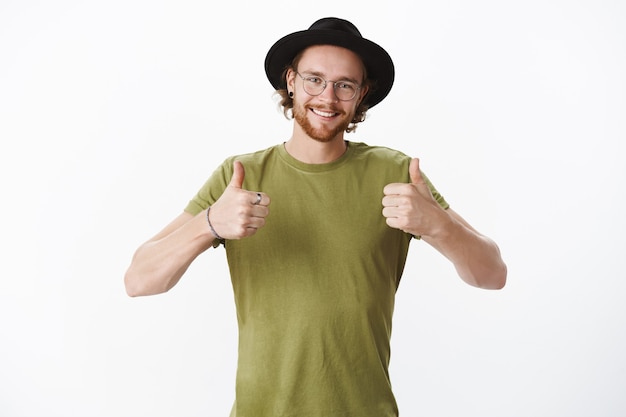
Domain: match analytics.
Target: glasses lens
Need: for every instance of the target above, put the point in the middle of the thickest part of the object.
(345, 90)
(313, 85)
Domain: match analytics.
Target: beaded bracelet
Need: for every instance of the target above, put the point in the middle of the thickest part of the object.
(218, 237)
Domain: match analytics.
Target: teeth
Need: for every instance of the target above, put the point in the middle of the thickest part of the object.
(323, 113)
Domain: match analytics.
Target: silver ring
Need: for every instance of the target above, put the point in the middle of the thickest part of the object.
(258, 199)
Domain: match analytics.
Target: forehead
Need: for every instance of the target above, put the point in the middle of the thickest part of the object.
(332, 61)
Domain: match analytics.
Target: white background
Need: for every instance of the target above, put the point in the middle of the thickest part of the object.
(113, 114)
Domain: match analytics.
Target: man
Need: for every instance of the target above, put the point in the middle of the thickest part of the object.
(315, 281)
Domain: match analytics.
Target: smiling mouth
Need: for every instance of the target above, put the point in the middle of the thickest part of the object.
(323, 113)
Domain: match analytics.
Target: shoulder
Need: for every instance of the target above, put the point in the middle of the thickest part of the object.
(215, 185)
(253, 157)
(391, 164)
(382, 153)
(251, 160)
(382, 159)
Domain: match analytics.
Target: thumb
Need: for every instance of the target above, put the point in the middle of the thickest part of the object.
(238, 175)
(414, 172)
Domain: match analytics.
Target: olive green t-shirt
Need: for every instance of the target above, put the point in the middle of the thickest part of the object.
(314, 289)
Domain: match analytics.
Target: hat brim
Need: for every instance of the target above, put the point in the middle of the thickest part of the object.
(376, 60)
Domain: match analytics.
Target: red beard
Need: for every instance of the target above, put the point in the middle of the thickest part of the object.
(321, 134)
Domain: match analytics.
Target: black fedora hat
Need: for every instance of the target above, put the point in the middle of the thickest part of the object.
(338, 32)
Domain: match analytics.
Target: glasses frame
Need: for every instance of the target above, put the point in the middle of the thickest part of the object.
(326, 82)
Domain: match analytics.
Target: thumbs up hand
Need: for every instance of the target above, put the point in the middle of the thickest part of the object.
(411, 207)
(239, 213)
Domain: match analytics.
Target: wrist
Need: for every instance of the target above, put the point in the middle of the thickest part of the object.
(213, 231)
(444, 228)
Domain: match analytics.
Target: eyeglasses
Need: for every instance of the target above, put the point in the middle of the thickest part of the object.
(314, 85)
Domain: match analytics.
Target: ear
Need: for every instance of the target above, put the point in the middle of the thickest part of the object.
(362, 93)
(290, 78)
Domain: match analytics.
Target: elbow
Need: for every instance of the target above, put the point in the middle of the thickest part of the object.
(132, 291)
(137, 285)
(497, 284)
(500, 280)
(495, 280)
(132, 286)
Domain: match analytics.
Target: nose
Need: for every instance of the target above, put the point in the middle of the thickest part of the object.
(329, 92)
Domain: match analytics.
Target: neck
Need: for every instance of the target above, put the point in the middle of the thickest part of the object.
(310, 151)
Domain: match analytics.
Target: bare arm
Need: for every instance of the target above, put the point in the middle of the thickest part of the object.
(158, 264)
(411, 208)
(476, 257)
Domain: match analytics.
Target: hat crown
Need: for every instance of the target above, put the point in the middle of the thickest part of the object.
(334, 23)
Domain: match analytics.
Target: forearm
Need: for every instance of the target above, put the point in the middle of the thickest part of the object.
(476, 258)
(160, 263)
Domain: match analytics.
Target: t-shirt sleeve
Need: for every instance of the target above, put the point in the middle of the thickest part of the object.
(436, 195)
(212, 188)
